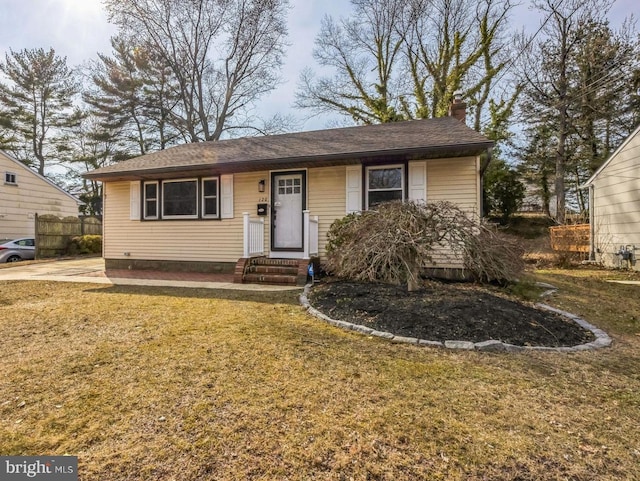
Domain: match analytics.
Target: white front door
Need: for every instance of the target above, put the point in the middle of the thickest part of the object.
(286, 215)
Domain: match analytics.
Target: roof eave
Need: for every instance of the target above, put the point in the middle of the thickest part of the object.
(397, 155)
(592, 179)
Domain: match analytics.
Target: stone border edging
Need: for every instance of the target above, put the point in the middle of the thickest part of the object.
(602, 339)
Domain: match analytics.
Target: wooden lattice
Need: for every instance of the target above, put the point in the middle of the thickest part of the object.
(570, 238)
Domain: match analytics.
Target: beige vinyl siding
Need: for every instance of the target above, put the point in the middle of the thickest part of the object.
(617, 204)
(178, 240)
(30, 196)
(327, 199)
(456, 181)
(221, 240)
(453, 180)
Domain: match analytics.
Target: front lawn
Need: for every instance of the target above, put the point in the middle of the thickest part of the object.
(178, 384)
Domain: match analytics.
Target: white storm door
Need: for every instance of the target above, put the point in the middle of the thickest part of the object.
(288, 204)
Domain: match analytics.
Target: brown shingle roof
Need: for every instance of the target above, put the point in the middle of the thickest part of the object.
(416, 139)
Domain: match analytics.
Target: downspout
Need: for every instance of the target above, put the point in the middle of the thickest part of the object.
(485, 159)
(592, 224)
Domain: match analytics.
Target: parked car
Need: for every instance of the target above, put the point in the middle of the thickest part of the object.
(18, 250)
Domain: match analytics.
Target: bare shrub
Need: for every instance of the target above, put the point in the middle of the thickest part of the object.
(568, 260)
(491, 256)
(395, 241)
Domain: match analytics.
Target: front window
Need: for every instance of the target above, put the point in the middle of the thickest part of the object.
(180, 199)
(384, 184)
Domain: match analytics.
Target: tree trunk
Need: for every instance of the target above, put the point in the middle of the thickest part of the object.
(413, 280)
(560, 171)
(563, 88)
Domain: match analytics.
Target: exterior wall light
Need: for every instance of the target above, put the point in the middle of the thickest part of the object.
(261, 185)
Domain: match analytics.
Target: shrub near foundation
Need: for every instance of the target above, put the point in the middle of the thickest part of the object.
(395, 241)
(86, 244)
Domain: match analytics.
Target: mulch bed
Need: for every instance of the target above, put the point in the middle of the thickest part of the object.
(442, 312)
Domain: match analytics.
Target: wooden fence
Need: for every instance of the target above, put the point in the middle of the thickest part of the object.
(53, 234)
(570, 238)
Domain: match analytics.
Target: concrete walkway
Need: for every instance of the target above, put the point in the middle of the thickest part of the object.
(92, 270)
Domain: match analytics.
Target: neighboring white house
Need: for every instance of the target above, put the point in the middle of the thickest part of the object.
(25, 193)
(614, 199)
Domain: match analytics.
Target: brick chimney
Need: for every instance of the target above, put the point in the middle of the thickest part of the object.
(458, 108)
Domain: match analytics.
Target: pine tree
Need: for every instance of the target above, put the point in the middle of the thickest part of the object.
(576, 101)
(537, 164)
(93, 144)
(600, 92)
(36, 105)
(131, 93)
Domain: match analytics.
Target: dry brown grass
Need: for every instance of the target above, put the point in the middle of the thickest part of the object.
(175, 384)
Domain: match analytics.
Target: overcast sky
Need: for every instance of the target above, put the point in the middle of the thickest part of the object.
(78, 29)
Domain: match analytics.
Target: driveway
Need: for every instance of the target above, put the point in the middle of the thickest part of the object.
(63, 270)
(92, 270)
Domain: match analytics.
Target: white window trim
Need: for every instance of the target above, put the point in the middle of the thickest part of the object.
(384, 167)
(10, 182)
(203, 197)
(145, 214)
(173, 181)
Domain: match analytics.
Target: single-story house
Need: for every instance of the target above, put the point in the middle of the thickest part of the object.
(25, 193)
(614, 200)
(211, 206)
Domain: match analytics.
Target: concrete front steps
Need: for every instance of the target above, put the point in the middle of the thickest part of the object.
(264, 270)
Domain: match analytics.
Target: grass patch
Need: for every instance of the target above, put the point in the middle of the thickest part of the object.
(526, 289)
(145, 383)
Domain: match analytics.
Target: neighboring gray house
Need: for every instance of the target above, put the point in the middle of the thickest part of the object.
(614, 199)
(25, 193)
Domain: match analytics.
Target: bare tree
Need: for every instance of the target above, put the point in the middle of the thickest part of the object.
(395, 60)
(224, 55)
(365, 52)
(451, 45)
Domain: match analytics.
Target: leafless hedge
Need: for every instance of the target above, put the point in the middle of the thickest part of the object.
(395, 241)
